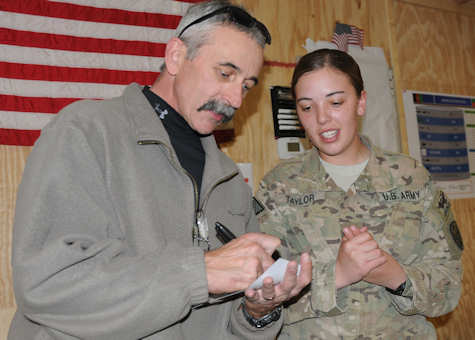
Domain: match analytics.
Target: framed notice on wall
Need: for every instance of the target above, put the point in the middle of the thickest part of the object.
(441, 135)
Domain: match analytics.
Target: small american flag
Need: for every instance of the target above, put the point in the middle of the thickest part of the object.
(347, 34)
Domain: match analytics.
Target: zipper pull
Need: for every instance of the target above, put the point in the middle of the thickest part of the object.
(201, 230)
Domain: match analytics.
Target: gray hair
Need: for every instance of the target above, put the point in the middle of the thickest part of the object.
(197, 35)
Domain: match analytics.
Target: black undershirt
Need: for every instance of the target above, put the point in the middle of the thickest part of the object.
(184, 139)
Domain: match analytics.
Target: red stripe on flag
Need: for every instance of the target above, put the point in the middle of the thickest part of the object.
(75, 74)
(71, 43)
(51, 72)
(33, 104)
(18, 137)
(88, 13)
(341, 41)
(347, 34)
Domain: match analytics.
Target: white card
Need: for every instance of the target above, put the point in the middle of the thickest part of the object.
(276, 272)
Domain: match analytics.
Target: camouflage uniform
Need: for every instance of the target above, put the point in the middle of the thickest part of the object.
(408, 217)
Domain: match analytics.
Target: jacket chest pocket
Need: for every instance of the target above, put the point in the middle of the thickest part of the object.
(229, 207)
(395, 225)
(317, 229)
(402, 232)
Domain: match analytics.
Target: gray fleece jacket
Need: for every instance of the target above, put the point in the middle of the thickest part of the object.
(102, 239)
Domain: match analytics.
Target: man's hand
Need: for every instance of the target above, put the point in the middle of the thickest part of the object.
(359, 254)
(238, 263)
(262, 301)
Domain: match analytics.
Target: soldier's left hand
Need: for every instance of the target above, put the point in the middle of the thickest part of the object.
(389, 274)
(358, 254)
(260, 302)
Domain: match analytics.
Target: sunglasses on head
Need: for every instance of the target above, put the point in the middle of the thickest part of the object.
(236, 15)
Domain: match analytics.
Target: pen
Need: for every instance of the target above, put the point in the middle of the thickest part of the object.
(225, 235)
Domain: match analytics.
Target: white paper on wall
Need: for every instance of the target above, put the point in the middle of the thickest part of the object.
(246, 171)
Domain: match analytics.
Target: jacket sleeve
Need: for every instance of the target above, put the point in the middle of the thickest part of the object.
(321, 298)
(72, 267)
(434, 271)
(239, 324)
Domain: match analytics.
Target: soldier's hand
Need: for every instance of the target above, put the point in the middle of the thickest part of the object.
(390, 274)
(359, 253)
(352, 231)
(240, 262)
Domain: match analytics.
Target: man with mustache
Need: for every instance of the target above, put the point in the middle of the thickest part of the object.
(113, 239)
(222, 108)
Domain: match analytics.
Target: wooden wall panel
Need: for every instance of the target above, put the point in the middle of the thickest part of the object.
(12, 161)
(465, 7)
(435, 51)
(434, 48)
(430, 45)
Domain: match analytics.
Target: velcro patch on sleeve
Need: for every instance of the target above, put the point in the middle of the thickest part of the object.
(258, 206)
(456, 236)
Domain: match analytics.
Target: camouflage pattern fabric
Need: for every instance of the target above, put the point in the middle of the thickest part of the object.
(408, 217)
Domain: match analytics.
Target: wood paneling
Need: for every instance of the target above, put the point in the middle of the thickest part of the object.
(465, 7)
(429, 43)
(434, 49)
(12, 162)
(458, 325)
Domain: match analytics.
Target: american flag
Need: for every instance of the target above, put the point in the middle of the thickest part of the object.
(347, 34)
(55, 52)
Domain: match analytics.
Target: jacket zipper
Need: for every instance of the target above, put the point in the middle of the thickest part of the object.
(198, 212)
(193, 182)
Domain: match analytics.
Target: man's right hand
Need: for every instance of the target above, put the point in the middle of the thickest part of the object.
(240, 262)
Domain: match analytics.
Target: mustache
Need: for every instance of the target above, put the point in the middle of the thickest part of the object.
(219, 107)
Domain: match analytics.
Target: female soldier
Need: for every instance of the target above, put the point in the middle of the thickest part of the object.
(385, 248)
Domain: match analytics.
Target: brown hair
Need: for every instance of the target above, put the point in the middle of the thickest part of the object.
(336, 59)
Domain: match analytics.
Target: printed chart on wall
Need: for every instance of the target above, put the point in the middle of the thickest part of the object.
(441, 134)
